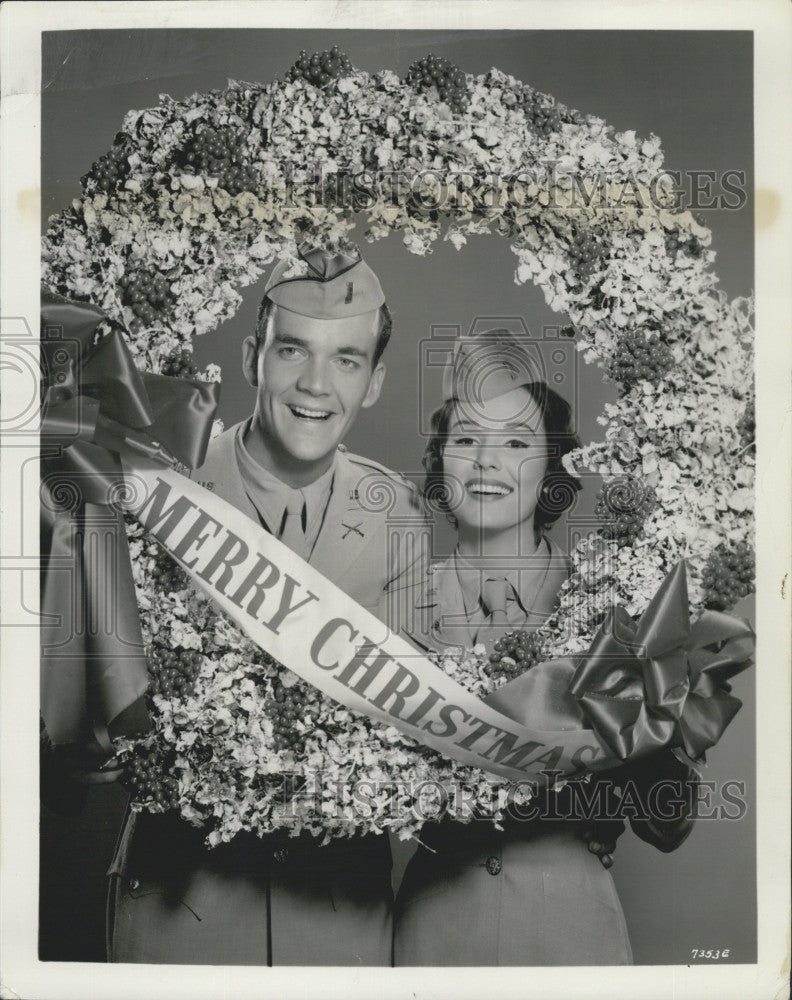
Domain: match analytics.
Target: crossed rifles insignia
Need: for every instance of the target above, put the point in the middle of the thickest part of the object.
(352, 527)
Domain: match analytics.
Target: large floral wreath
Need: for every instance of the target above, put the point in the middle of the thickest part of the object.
(198, 197)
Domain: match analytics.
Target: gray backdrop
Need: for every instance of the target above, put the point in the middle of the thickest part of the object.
(694, 90)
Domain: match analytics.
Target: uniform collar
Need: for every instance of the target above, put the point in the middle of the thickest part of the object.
(443, 615)
(269, 494)
(522, 586)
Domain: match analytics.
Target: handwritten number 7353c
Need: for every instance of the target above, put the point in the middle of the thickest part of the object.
(709, 953)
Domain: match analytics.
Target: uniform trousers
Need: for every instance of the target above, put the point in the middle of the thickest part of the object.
(254, 901)
(530, 895)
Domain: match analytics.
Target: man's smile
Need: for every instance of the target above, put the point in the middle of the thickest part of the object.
(309, 412)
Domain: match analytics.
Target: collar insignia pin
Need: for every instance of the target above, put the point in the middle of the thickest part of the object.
(352, 527)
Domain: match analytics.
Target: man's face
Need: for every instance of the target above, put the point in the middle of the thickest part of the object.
(312, 376)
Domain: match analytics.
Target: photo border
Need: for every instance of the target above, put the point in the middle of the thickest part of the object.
(22, 974)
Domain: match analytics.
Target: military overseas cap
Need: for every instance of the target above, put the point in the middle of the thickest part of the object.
(486, 365)
(332, 283)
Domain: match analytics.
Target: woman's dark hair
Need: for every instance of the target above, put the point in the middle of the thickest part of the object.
(558, 488)
(383, 332)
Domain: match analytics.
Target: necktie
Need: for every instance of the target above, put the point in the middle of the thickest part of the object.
(292, 533)
(494, 591)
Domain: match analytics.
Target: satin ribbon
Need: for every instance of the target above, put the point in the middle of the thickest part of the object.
(97, 406)
(663, 681)
(640, 687)
(307, 623)
(660, 682)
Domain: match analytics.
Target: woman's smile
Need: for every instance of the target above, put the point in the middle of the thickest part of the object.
(488, 489)
(497, 457)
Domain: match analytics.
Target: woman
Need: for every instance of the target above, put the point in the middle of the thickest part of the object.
(498, 475)
(534, 893)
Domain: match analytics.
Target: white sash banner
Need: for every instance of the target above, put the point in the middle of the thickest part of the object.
(312, 627)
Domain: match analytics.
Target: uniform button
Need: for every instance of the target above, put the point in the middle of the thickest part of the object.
(281, 854)
(134, 884)
(494, 865)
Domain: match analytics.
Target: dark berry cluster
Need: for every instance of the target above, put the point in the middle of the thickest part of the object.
(284, 708)
(585, 252)
(728, 576)
(148, 295)
(690, 245)
(436, 71)
(220, 152)
(149, 781)
(167, 575)
(514, 653)
(622, 506)
(746, 425)
(320, 68)
(112, 168)
(640, 356)
(540, 110)
(179, 365)
(173, 672)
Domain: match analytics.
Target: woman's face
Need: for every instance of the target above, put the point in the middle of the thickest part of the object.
(495, 461)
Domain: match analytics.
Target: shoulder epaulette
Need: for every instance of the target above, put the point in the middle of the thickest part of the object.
(370, 464)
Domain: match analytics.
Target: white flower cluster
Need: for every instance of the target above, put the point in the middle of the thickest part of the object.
(592, 222)
(337, 773)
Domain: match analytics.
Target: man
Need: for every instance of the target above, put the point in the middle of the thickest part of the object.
(315, 363)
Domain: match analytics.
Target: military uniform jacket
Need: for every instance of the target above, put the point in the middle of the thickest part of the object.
(532, 893)
(370, 514)
(432, 612)
(275, 900)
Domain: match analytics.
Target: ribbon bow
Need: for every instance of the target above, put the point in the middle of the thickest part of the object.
(96, 404)
(641, 687)
(663, 681)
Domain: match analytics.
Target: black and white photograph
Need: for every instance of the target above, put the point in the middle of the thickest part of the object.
(400, 393)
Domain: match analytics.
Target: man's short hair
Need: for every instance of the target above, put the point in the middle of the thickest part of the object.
(383, 332)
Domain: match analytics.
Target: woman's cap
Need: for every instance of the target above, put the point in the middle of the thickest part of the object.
(488, 364)
(326, 283)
